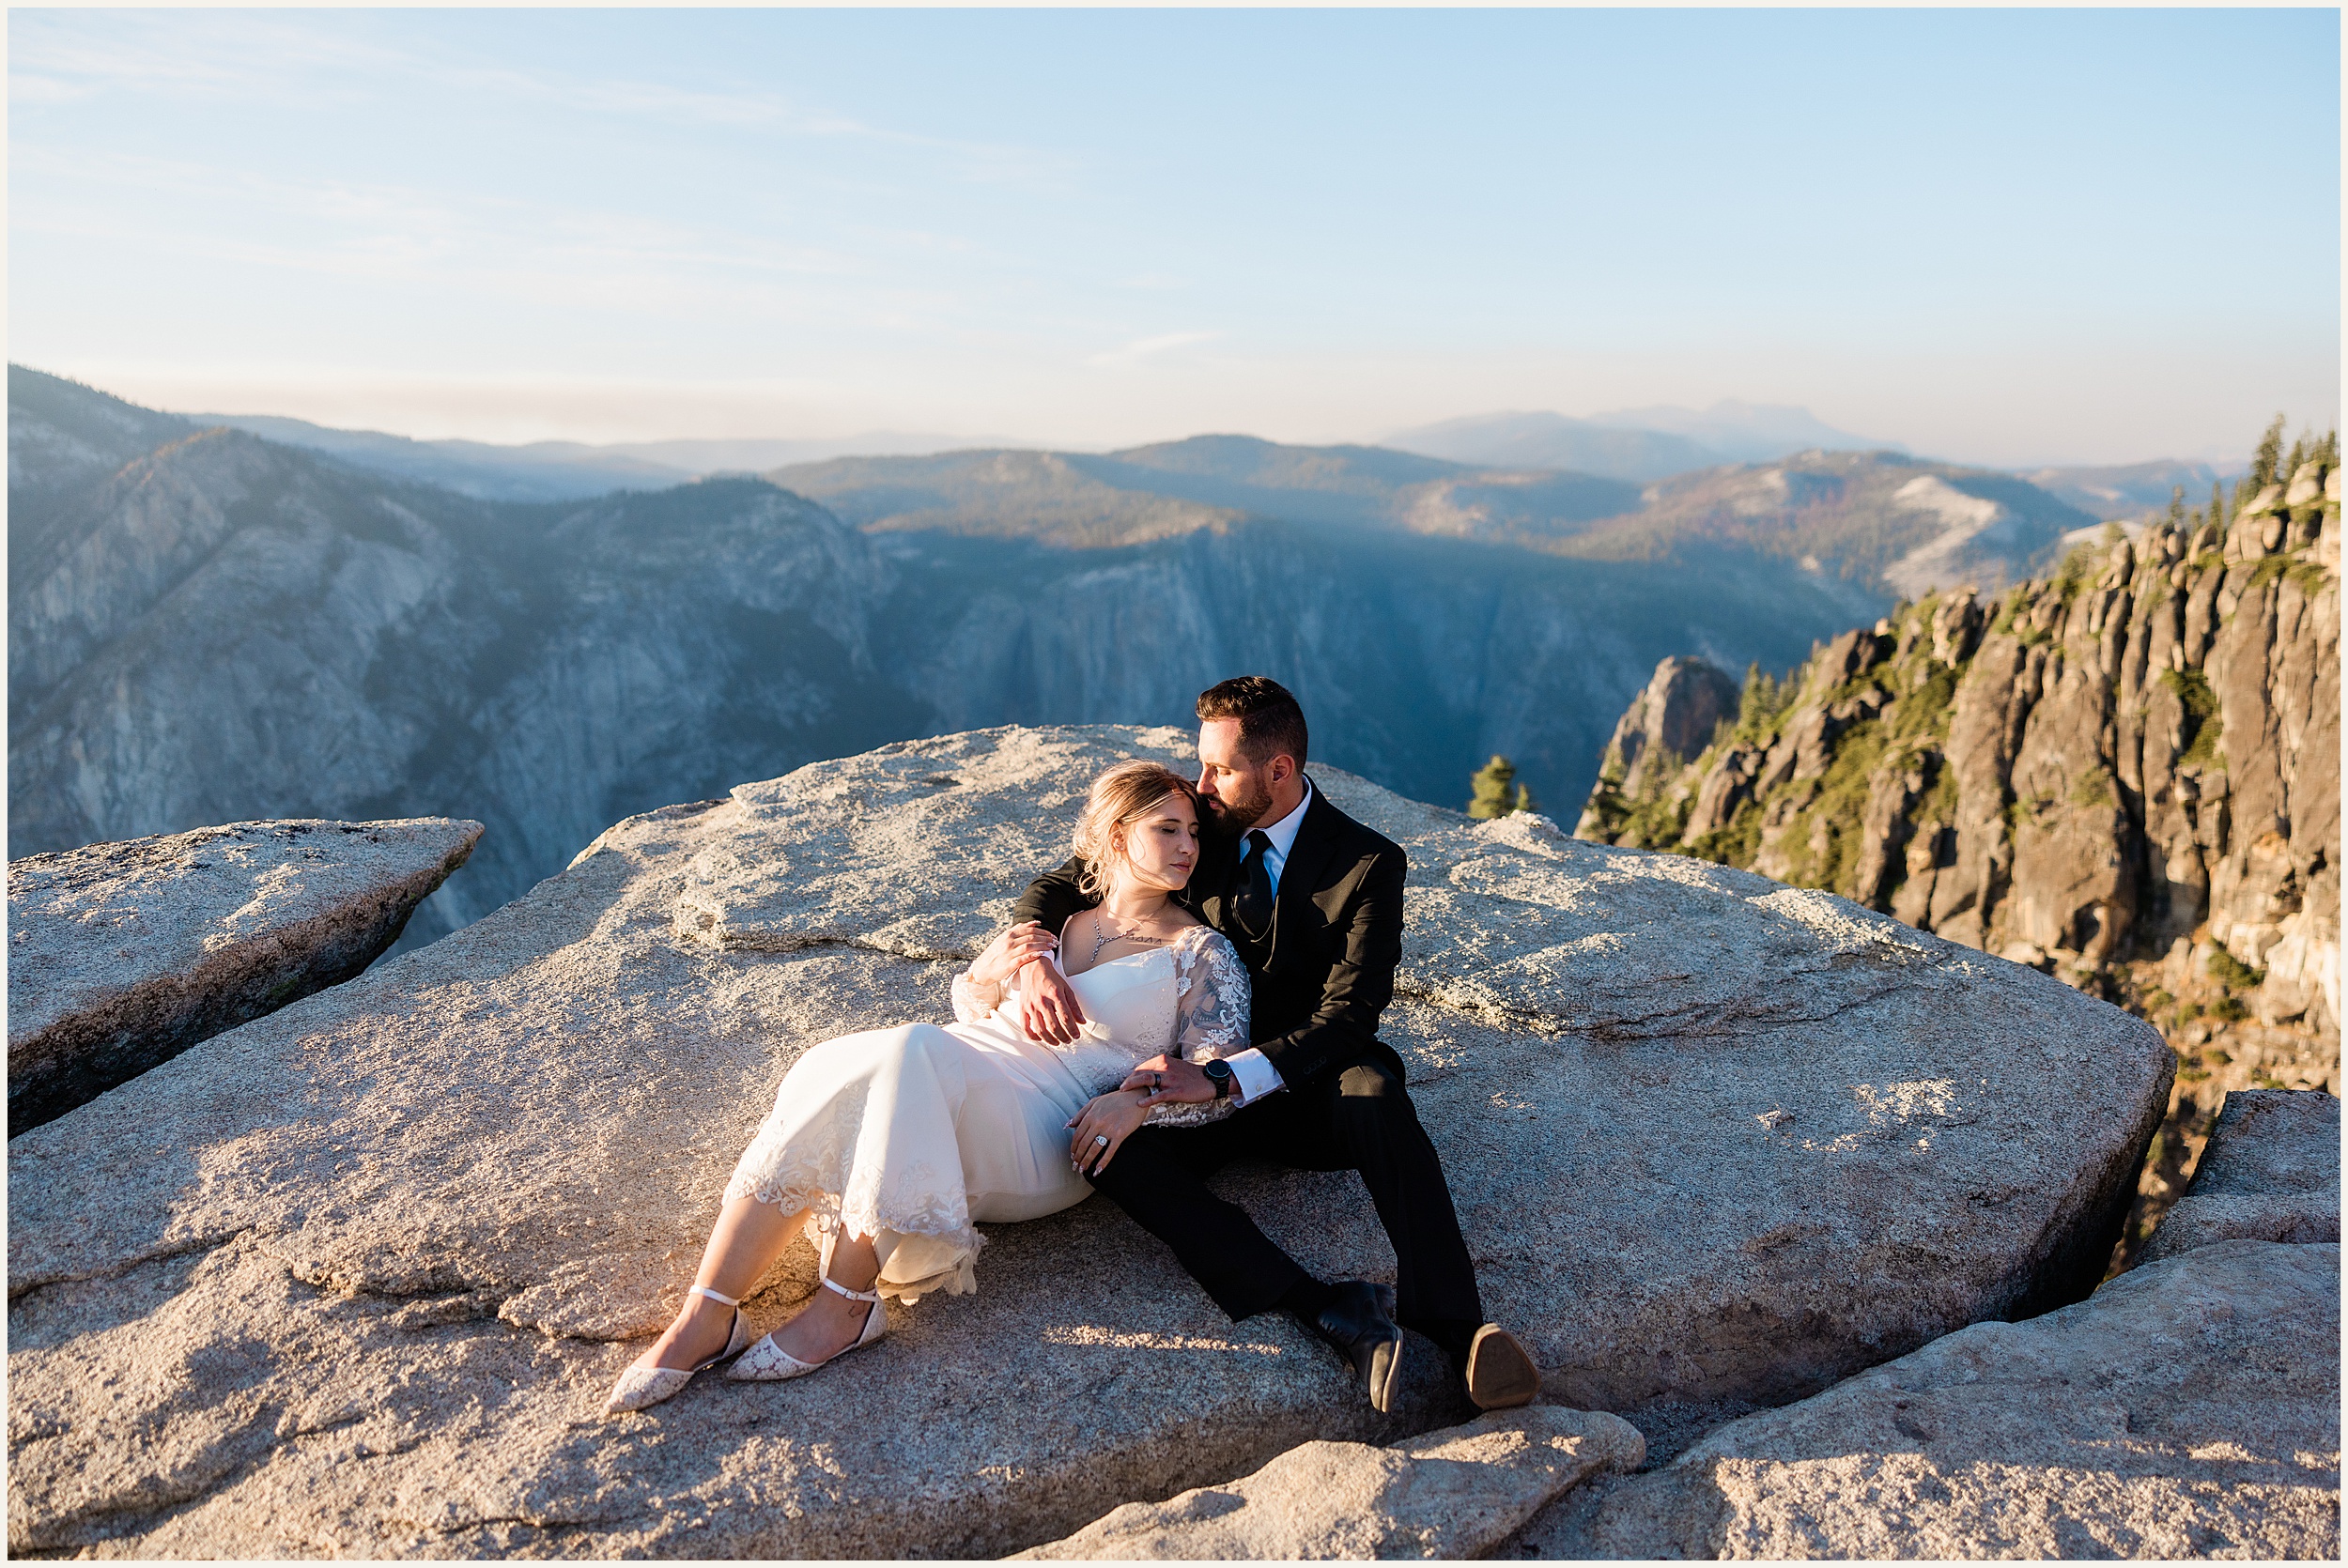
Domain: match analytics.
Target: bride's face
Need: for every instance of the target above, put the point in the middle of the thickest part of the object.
(1162, 846)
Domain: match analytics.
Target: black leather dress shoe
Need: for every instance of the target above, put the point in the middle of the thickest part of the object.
(1500, 1371)
(1358, 1323)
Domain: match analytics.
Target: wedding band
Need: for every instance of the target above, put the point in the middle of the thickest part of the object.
(1099, 1140)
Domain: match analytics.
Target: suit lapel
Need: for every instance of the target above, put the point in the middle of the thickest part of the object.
(1218, 857)
(1308, 856)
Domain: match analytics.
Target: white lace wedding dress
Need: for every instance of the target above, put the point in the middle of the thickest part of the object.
(911, 1134)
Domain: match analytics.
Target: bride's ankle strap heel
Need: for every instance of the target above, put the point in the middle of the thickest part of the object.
(766, 1361)
(643, 1386)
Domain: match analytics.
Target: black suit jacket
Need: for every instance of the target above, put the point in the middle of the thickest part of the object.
(1325, 971)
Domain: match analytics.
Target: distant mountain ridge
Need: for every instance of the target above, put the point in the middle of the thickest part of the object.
(2130, 490)
(1634, 443)
(568, 470)
(1889, 525)
(1121, 497)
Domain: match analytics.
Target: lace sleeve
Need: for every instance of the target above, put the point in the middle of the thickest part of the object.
(1210, 1013)
(1211, 998)
(973, 1001)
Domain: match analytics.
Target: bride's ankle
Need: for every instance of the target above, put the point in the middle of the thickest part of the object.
(699, 1317)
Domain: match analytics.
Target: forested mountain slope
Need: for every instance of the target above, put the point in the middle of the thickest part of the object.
(217, 627)
(2127, 773)
(1881, 522)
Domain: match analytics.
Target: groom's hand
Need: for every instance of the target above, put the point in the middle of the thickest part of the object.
(1048, 1010)
(1170, 1081)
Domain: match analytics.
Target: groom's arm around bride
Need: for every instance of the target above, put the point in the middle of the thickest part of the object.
(1312, 900)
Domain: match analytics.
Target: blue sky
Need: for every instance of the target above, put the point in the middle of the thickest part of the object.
(2000, 235)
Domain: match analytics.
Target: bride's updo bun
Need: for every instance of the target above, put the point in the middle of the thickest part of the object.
(1125, 794)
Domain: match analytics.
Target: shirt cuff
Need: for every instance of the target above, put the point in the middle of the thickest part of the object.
(1254, 1075)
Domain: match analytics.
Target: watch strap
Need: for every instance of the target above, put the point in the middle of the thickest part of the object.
(1222, 1080)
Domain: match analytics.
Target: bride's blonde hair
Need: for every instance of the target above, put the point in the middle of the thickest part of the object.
(1123, 795)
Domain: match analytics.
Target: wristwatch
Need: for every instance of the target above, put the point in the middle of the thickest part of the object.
(1219, 1074)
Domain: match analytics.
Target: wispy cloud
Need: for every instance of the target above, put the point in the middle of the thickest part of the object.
(1143, 349)
(521, 249)
(64, 57)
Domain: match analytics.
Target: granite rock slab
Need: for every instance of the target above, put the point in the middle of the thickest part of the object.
(2190, 1408)
(2270, 1173)
(354, 1277)
(1450, 1494)
(123, 955)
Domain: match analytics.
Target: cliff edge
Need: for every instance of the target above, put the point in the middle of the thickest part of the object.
(2126, 775)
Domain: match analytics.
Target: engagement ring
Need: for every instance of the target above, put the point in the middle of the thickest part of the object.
(1099, 1140)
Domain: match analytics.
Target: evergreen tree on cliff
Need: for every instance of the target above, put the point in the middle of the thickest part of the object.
(1497, 793)
(2262, 465)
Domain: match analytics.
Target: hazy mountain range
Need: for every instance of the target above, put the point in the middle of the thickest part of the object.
(207, 625)
(1633, 443)
(2133, 489)
(563, 470)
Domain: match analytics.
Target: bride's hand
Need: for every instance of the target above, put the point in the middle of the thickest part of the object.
(1112, 1117)
(1011, 952)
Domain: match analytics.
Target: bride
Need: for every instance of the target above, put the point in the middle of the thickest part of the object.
(886, 1146)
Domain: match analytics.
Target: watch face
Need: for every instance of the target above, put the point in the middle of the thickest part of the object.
(1217, 1069)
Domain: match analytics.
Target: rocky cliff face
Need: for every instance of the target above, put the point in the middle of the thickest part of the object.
(234, 630)
(2126, 775)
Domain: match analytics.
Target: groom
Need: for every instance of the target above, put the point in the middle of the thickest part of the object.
(1313, 901)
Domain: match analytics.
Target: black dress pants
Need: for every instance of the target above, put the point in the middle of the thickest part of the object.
(1359, 1118)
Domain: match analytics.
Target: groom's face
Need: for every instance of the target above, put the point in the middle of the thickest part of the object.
(1235, 790)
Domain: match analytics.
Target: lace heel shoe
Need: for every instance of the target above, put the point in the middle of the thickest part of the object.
(1358, 1323)
(643, 1386)
(769, 1362)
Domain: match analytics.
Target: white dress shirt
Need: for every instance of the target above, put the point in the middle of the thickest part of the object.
(1252, 1076)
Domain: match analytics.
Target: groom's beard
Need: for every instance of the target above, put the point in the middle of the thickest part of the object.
(1235, 817)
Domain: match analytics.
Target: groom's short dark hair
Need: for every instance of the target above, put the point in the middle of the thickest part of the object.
(1270, 722)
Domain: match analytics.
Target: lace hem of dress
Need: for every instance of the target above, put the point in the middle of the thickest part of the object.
(827, 1213)
(1190, 1115)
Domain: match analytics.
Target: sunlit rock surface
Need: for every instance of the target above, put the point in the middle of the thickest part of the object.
(2189, 1408)
(123, 955)
(2271, 1173)
(355, 1277)
(1455, 1493)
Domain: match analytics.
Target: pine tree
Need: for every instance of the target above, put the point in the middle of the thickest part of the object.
(1497, 793)
(2176, 507)
(2217, 503)
(2298, 455)
(2262, 472)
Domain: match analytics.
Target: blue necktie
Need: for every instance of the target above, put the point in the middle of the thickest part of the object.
(1251, 902)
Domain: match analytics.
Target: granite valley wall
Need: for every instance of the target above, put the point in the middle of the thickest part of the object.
(2126, 775)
